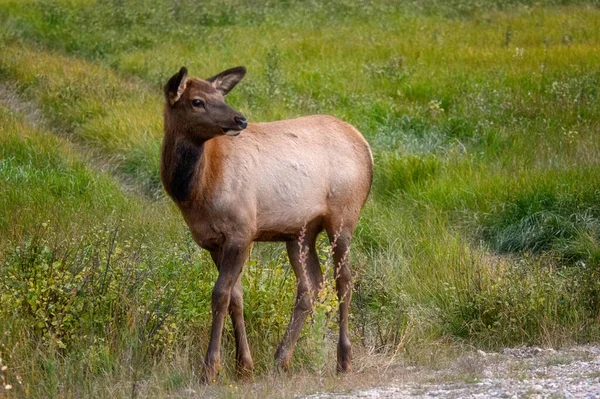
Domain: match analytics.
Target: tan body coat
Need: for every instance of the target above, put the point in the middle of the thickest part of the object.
(267, 182)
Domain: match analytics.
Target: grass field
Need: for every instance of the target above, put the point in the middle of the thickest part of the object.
(482, 228)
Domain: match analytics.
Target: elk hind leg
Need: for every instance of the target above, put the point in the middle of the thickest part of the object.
(340, 241)
(305, 263)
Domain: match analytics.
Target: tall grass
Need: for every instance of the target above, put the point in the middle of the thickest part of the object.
(482, 226)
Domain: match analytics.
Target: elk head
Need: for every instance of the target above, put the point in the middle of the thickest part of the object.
(196, 108)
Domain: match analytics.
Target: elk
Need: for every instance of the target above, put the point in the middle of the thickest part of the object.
(273, 182)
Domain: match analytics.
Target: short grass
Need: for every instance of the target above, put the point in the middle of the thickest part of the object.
(482, 227)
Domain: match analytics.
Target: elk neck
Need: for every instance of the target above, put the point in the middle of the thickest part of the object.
(181, 162)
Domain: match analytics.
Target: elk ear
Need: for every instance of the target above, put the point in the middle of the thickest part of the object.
(226, 80)
(176, 86)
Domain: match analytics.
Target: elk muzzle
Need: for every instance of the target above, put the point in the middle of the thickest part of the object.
(239, 124)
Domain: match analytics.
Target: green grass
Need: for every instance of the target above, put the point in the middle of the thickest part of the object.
(482, 228)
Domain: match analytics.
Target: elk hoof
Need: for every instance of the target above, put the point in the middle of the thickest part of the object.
(244, 370)
(281, 368)
(211, 371)
(344, 359)
(282, 361)
(343, 367)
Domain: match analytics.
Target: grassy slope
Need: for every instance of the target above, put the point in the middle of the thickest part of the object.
(483, 223)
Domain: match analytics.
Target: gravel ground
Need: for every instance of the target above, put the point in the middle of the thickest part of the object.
(513, 373)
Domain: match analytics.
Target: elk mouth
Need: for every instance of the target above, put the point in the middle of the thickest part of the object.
(240, 123)
(231, 131)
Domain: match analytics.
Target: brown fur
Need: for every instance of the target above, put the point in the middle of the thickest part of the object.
(275, 181)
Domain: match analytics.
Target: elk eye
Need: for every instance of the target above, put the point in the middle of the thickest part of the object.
(198, 103)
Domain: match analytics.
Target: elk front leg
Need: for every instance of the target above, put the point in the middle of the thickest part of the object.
(232, 257)
(243, 358)
(244, 362)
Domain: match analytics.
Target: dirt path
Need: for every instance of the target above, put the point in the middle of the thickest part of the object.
(513, 373)
(11, 100)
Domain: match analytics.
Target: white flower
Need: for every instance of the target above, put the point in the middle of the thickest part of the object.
(519, 52)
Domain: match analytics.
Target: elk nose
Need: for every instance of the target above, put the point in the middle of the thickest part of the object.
(241, 122)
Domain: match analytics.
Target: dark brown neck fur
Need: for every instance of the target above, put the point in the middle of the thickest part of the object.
(179, 165)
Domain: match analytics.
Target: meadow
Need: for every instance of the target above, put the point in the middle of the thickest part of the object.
(482, 229)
